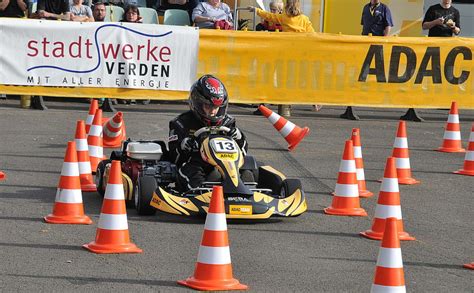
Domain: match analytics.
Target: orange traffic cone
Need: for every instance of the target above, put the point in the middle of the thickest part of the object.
(112, 232)
(291, 132)
(389, 275)
(85, 173)
(346, 196)
(469, 266)
(2, 175)
(213, 269)
(468, 168)
(452, 134)
(388, 205)
(114, 131)
(363, 192)
(90, 117)
(68, 207)
(94, 141)
(402, 156)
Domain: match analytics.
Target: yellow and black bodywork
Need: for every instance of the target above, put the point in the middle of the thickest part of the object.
(272, 195)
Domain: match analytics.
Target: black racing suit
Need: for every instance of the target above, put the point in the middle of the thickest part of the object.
(192, 170)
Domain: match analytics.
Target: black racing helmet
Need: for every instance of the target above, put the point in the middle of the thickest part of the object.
(211, 91)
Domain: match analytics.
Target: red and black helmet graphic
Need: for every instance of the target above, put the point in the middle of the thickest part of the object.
(211, 91)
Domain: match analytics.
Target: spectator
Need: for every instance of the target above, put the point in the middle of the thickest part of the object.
(132, 14)
(13, 8)
(99, 12)
(377, 21)
(293, 20)
(265, 25)
(54, 9)
(81, 12)
(212, 14)
(187, 5)
(442, 20)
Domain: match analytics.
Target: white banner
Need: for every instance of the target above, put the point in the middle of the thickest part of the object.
(112, 55)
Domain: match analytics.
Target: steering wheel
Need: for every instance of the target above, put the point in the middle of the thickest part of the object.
(214, 129)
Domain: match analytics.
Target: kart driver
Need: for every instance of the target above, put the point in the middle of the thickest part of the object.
(208, 101)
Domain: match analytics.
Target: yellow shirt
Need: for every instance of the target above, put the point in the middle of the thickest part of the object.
(300, 23)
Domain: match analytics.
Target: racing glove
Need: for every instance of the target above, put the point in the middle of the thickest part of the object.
(235, 133)
(188, 144)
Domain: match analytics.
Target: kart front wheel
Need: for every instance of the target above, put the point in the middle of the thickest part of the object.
(144, 190)
(99, 177)
(289, 186)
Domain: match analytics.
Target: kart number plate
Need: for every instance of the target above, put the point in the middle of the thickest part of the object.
(240, 210)
(223, 145)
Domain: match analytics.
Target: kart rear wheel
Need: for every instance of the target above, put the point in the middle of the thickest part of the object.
(99, 176)
(144, 190)
(289, 186)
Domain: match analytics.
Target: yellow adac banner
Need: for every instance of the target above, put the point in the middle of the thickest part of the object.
(329, 69)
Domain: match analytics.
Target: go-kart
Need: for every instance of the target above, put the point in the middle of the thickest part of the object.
(250, 191)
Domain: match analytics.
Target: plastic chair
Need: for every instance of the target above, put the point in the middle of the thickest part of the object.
(149, 15)
(176, 17)
(113, 13)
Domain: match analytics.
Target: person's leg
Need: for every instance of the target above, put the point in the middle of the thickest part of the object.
(190, 176)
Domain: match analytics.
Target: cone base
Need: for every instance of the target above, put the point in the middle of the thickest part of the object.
(408, 181)
(300, 137)
(114, 146)
(469, 266)
(112, 248)
(89, 188)
(346, 212)
(451, 150)
(464, 172)
(2, 176)
(79, 220)
(213, 285)
(378, 236)
(365, 193)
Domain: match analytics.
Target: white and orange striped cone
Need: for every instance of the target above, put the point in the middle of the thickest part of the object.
(114, 131)
(359, 161)
(85, 172)
(346, 196)
(213, 269)
(94, 141)
(389, 275)
(90, 116)
(388, 205)
(469, 266)
(402, 156)
(2, 175)
(112, 232)
(468, 168)
(68, 207)
(292, 133)
(452, 134)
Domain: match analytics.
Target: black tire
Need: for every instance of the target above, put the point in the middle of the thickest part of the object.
(144, 189)
(99, 176)
(289, 186)
(247, 176)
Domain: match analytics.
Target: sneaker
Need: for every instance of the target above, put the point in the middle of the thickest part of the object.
(316, 108)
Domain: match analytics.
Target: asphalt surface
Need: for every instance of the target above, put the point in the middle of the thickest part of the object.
(311, 253)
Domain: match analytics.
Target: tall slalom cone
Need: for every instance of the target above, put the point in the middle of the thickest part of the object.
(346, 196)
(95, 142)
(114, 131)
(469, 266)
(468, 168)
(68, 207)
(112, 232)
(363, 192)
(213, 269)
(402, 156)
(90, 117)
(452, 134)
(85, 173)
(388, 205)
(291, 132)
(389, 275)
